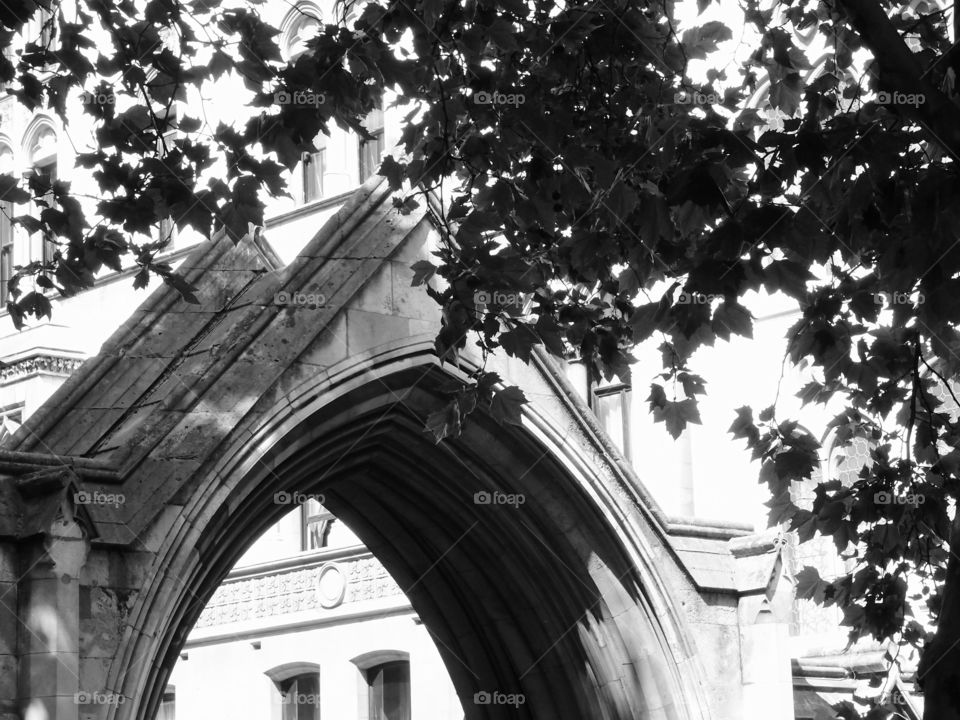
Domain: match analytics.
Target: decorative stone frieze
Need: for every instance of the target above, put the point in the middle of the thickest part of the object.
(49, 364)
(293, 590)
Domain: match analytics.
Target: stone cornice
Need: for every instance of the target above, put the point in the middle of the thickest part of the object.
(41, 364)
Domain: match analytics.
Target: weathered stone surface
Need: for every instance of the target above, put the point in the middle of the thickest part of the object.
(103, 613)
(582, 597)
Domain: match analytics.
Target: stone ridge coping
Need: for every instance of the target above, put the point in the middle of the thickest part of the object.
(844, 665)
(700, 527)
(308, 209)
(301, 560)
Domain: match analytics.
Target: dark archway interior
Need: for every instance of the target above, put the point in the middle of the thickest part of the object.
(533, 598)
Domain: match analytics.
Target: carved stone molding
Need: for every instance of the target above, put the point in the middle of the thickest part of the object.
(49, 364)
(296, 589)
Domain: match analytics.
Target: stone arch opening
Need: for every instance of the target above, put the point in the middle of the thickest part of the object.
(573, 598)
(533, 590)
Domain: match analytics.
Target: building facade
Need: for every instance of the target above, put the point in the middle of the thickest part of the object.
(309, 623)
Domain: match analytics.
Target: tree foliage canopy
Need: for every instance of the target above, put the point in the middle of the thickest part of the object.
(594, 201)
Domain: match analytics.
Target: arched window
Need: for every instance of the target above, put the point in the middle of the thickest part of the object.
(371, 150)
(320, 529)
(297, 691)
(315, 527)
(845, 461)
(610, 402)
(313, 166)
(6, 228)
(168, 115)
(389, 691)
(300, 25)
(41, 150)
(384, 685)
(39, 28)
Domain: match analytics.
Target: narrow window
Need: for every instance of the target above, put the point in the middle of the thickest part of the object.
(6, 250)
(42, 159)
(6, 232)
(388, 692)
(168, 117)
(312, 167)
(48, 175)
(168, 704)
(315, 528)
(300, 697)
(611, 405)
(371, 151)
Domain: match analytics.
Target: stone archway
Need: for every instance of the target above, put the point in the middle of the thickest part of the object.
(198, 417)
(539, 599)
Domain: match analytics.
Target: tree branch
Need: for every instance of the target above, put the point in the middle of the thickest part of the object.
(900, 70)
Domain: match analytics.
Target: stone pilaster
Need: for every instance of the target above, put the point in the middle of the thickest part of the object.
(763, 614)
(51, 555)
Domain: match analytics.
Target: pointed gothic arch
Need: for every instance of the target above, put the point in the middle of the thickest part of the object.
(573, 596)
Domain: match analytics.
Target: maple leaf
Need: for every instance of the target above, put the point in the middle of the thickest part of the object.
(676, 415)
(445, 422)
(507, 405)
(423, 270)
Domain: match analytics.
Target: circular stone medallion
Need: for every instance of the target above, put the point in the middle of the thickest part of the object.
(331, 585)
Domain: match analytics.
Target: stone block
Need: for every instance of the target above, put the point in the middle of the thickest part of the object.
(330, 346)
(409, 301)
(377, 294)
(94, 671)
(124, 382)
(366, 331)
(425, 327)
(164, 336)
(78, 430)
(417, 245)
(103, 612)
(48, 674)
